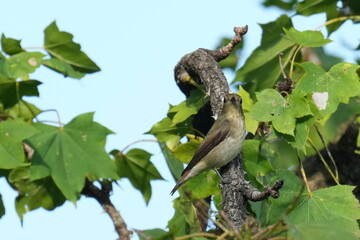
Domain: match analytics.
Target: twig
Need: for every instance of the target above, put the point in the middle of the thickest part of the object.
(103, 197)
(224, 52)
(255, 195)
(141, 140)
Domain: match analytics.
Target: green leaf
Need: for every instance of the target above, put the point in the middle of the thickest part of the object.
(12, 134)
(24, 110)
(189, 107)
(290, 196)
(2, 208)
(164, 131)
(185, 152)
(282, 112)
(22, 64)
(187, 221)
(282, 4)
(11, 91)
(310, 7)
(247, 104)
(62, 67)
(255, 164)
(10, 46)
(137, 167)
(174, 165)
(177, 225)
(321, 230)
(261, 70)
(34, 194)
(203, 185)
(334, 204)
(307, 38)
(329, 88)
(301, 133)
(71, 153)
(60, 45)
(154, 234)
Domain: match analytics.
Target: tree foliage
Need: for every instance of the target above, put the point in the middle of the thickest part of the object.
(48, 164)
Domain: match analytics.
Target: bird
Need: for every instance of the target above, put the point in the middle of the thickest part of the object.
(221, 144)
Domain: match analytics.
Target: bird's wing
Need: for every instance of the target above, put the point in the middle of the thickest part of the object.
(212, 139)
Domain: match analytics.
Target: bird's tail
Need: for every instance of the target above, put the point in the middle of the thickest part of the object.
(181, 181)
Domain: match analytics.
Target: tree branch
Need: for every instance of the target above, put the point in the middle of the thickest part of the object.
(200, 68)
(103, 197)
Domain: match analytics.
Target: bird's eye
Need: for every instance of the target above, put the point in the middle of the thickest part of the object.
(225, 100)
(240, 100)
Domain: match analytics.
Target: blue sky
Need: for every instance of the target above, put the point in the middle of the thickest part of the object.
(136, 44)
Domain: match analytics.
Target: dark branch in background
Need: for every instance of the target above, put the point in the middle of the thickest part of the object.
(201, 68)
(346, 160)
(103, 197)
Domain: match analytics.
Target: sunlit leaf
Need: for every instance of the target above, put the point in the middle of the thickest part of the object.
(290, 196)
(22, 64)
(165, 132)
(339, 84)
(321, 230)
(307, 38)
(61, 45)
(329, 204)
(247, 104)
(189, 107)
(282, 112)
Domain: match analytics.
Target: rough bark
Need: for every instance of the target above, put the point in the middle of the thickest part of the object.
(201, 68)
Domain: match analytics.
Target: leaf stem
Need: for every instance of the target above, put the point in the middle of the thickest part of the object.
(18, 96)
(137, 141)
(303, 174)
(339, 19)
(201, 234)
(328, 152)
(57, 114)
(293, 60)
(324, 162)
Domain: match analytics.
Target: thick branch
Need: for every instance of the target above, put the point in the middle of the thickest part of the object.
(200, 67)
(103, 197)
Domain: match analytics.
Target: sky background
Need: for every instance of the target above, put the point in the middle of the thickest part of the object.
(136, 44)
